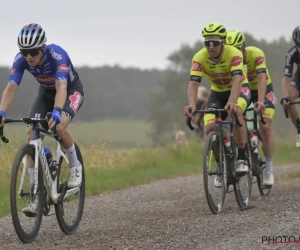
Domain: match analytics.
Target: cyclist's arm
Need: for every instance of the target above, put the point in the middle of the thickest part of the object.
(236, 88)
(14, 81)
(61, 93)
(8, 96)
(61, 78)
(196, 77)
(285, 85)
(192, 92)
(290, 58)
(261, 71)
(237, 77)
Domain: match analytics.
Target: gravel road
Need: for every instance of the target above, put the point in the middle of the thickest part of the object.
(173, 214)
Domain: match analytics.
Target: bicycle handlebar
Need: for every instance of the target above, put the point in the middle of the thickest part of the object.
(285, 108)
(28, 121)
(211, 111)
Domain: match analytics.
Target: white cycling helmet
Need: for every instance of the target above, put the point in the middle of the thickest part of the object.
(32, 36)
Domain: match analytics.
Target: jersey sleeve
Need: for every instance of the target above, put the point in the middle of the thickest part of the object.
(196, 69)
(17, 70)
(260, 61)
(61, 61)
(290, 58)
(237, 66)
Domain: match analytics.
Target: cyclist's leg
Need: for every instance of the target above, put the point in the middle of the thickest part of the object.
(267, 136)
(209, 119)
(40, 107)
(73, 103)
(294, 90)
(240, 133)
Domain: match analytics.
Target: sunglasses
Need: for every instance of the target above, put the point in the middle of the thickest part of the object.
(32, 52)
(214, 43)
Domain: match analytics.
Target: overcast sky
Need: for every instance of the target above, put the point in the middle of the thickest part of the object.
(139, 33)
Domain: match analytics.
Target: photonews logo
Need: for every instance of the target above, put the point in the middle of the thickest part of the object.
(280, 239)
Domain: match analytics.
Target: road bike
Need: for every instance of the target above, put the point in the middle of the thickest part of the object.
(226, 158)
(258, 164)
(49, 187)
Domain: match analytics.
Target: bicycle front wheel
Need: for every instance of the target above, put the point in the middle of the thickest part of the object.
(69, 212)
(243, 187)
(26, 224)
(214, 173)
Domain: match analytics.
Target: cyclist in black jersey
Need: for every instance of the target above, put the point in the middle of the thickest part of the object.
(291, 83)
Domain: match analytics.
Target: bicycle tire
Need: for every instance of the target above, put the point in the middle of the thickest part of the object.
(69, 229)
(215, 209)
(263, 191)
(244, 202)
(25, 237)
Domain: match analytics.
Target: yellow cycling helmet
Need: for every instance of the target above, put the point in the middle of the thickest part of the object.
(235, 38)
(214, 29)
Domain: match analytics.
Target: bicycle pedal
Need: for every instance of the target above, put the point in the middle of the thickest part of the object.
(30, 214)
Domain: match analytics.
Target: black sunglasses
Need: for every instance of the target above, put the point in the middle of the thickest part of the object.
(32, 52)
(214, 43)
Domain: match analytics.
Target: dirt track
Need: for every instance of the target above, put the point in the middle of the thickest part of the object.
(173, 214)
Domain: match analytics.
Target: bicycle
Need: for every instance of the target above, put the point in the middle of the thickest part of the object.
(49, 188)
(258, 165)
(226, 162)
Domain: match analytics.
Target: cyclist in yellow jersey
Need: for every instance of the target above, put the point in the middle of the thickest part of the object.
(223, 67)
(261, 93)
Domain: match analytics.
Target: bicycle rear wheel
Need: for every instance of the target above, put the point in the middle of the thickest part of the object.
(69, 223)
(243, 187)
(26, 225)
(213, 151)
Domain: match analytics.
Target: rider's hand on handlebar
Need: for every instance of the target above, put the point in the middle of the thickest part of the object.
(55, 118)
(3, 115)
(189, 110)
(259, 107)
(285, 101)
(231, 107)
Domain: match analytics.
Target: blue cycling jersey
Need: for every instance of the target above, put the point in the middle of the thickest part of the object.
(57, 66)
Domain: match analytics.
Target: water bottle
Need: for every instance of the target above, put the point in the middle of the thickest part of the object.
(254, 142)
(48, 155)
(228, 146)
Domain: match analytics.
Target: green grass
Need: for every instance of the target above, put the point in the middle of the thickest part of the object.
(119, 133)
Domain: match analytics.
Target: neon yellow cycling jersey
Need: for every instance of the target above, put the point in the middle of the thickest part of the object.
(219, 75)
(256, 64)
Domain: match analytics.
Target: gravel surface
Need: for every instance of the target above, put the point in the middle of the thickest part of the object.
(173, 214)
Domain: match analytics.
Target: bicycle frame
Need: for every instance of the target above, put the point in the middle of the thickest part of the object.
(51, 185)
(36, 141)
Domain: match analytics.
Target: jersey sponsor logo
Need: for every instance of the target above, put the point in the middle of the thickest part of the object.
(55, 55)
(236, 61)
(13, 70)
(289, 56)
(259, 60)
(270, 97)
(246, 92)
(71, 74)
(63, 67)
(196, 66)
(218, 75)
(17, 57)
(45, 79)
(75, 101)
(221, 81)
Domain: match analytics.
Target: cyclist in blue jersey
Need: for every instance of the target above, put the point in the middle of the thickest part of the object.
(60, 92)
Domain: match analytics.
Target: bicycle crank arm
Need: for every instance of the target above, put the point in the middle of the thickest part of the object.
(62, 194)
